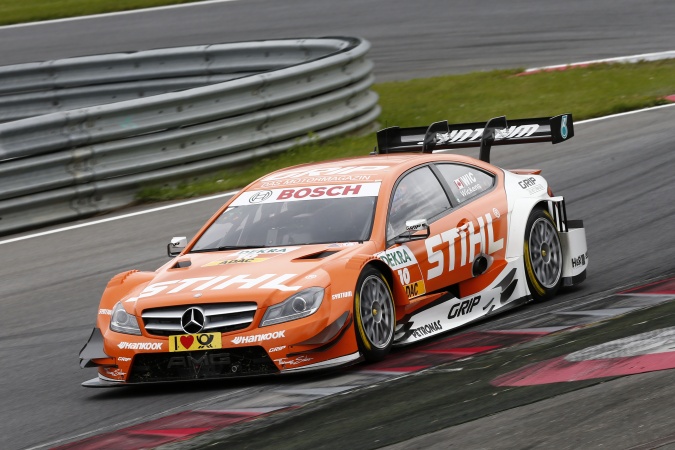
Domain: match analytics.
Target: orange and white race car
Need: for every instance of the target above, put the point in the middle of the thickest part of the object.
(327, 264)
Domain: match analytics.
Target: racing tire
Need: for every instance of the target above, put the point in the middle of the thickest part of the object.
(375, 315)
(543, 255)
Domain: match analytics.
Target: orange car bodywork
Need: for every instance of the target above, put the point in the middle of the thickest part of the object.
(431, 277)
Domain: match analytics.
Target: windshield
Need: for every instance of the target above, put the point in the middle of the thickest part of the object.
(278, 223)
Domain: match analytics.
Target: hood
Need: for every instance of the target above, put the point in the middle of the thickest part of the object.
(264, 275)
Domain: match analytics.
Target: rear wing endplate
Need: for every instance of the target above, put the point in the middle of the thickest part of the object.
(444, 136)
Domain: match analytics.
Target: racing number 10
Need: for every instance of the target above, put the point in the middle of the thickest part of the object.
(404, 276)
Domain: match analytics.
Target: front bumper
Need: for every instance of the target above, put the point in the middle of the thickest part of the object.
(93, 354)
(200, 365)
(126, 359)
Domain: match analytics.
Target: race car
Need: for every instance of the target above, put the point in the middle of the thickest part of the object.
(328, 264)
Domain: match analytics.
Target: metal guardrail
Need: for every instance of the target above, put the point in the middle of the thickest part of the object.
(265, 98)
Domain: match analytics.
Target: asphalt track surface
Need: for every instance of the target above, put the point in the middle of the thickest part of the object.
(616, 175)
(410, 39)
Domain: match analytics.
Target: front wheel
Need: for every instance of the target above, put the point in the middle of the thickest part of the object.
(375, 316)
(543, 255)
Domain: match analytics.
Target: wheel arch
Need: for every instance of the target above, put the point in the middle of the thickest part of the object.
(369, 349)
(397, 290)
(518, 217)
(383, 268)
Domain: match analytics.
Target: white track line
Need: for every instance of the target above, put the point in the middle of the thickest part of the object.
(621, 59)
(205, 199)
(627, 113)
(123, 216)
(113, 14)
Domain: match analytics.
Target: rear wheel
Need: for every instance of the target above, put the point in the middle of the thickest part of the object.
(374, 313)
(543, 255)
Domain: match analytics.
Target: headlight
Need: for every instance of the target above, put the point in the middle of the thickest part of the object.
(123, 322)
(302, 304)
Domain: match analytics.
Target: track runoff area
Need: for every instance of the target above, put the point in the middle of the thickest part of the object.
(571, 347)
(577, 344)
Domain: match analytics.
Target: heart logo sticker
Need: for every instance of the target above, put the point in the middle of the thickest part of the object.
(186, 341)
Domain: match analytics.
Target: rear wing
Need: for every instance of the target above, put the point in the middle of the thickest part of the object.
(443, 136)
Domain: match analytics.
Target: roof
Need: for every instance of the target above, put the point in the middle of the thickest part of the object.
(371, 168)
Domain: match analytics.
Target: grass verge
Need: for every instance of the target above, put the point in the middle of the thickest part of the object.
(13, 11)
(586, 92)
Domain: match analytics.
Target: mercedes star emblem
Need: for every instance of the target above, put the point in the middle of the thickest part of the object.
(193, 320)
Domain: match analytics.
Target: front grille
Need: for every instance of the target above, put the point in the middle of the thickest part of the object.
(219, 317)
(201, 365)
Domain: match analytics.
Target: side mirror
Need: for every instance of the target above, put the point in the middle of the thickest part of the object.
(413, 226)
(176, 246)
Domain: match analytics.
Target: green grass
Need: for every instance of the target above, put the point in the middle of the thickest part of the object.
(20, 11)
(589, 92)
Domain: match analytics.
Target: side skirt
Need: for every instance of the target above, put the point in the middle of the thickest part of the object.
(450, 312)
(340, 361)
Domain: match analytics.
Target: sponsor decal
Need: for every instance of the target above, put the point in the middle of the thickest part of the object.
(528, 182)
(496, 212)
(467, 184)
(426, 330)
(415, 227)
(468, 239)
(207, 359)
(347, 294)
(140, 345)
(202, 341)
(463, 307)
(123, 359)
(310, 193)
(223, 262)
(268, 281)
(254, 253)
(411, 289)
(465, 180)
(580, 260)
(114, 372)
(259, 196)
(398, 257)
(258, 337)
(531, 185)
(316, 180)
(321, 191)
(563, 127)
(343, 244)
(295, 361)
(471, 134)
(415, 289)
(470, 190)
(276, 349)
(324, 171)
(105, 312)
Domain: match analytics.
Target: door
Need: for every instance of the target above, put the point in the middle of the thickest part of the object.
(446, 256)
(475, 191)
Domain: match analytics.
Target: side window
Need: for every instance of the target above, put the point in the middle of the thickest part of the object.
(418, 195)
(465, 182)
